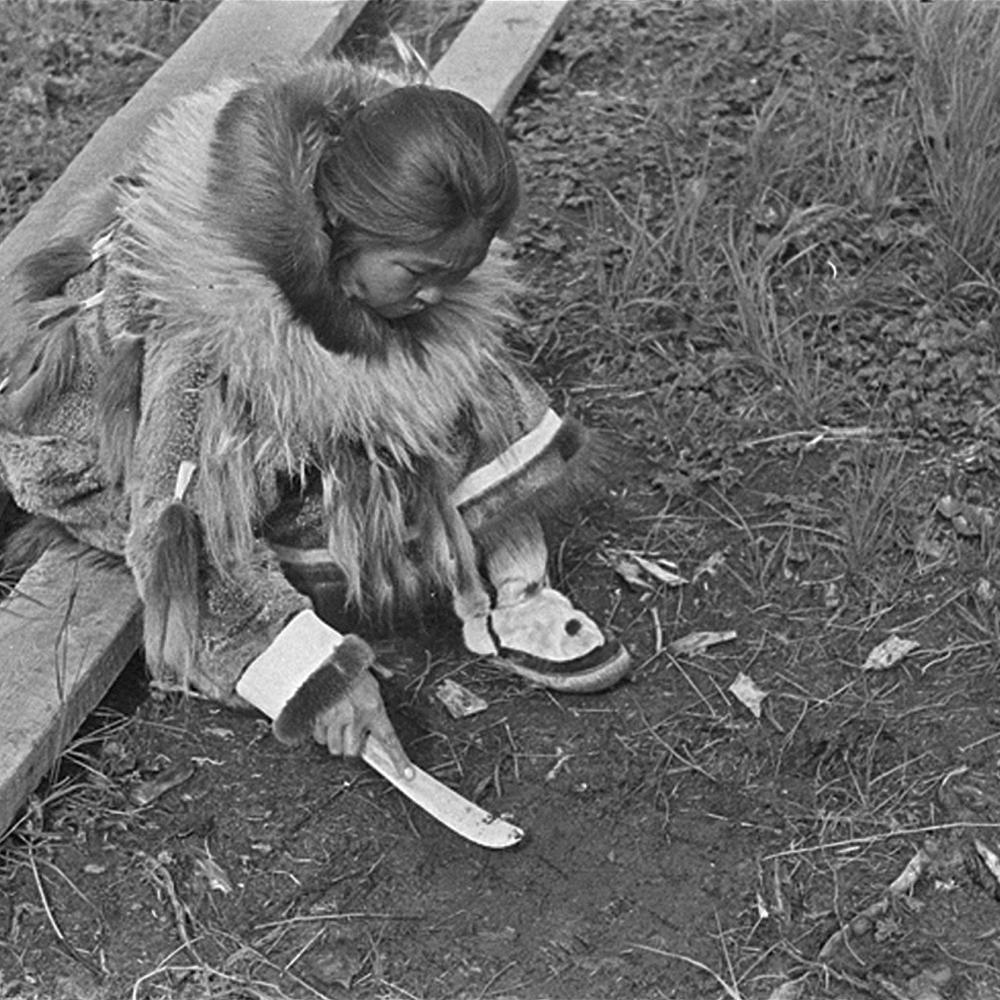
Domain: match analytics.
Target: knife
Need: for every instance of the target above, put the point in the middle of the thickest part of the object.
(274, 679)
(443, 803)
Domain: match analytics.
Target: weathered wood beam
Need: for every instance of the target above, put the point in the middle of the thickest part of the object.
(498, 48)
(65, 634)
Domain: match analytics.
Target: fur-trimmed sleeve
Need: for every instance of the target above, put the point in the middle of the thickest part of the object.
(202, 623)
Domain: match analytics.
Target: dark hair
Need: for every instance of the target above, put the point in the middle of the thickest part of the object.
(414, 164)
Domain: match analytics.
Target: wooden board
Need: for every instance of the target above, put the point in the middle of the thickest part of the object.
(74, 623)
(498, 49)
(65, 635)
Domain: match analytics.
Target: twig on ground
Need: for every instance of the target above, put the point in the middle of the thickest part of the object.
(877, 838)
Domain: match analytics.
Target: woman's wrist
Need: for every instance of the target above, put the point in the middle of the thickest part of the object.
(307, 668)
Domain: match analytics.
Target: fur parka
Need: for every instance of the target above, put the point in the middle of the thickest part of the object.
(193, 392)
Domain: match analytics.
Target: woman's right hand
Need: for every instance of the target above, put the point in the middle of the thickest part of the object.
(360, 713)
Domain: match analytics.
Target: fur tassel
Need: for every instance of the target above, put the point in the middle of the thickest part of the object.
(26, 544)
(171, 594)
(118, 400)
(46, 362)
(44, 273)
(323, 689)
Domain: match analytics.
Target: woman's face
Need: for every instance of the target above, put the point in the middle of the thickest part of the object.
(398, 281)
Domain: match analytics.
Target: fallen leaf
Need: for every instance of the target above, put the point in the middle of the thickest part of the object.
(698, 642)
(748, 693)
(791, 990)
(206, 867)
(170, 777)
(710, 566)
(637, 570)
(990, 859)
(663, 571)
(630, 572)
(907, 878)
(969, 520)
(888, 653)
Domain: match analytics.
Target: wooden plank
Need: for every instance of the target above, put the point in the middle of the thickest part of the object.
(66, 634)
(74, 622)
(497, 49)
(236, 37)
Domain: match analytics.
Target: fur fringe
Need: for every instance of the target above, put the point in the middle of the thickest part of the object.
(170, 622)
(43, 274)
(42, 357)
(592, 460)
(44, 364)
(26, 544)
(323, 689)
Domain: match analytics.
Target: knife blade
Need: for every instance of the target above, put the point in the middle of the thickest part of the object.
(443, 803)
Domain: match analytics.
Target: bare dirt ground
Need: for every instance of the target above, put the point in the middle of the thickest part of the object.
(744, 255)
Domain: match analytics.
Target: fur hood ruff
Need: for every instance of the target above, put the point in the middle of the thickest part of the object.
(215, 231)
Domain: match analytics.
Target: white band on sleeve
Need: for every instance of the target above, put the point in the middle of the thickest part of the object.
(509, 462)
(296, 653)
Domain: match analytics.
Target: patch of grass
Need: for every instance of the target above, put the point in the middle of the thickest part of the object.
(956, 94)
(629, 259)
(768, 330)
(872, 505)
(64, 68)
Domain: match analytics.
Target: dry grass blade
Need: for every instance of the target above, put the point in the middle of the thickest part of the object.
(731, 991)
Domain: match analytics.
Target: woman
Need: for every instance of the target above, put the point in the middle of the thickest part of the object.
(276, 385)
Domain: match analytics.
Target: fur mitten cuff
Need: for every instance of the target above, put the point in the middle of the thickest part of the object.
(307, 668)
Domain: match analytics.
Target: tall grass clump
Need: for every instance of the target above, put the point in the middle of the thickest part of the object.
(871, 506)
(856, 159)
(956, 91)
(768, 329)
(848, 22)
(641, 259)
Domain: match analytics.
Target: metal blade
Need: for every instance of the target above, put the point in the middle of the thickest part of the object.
(443, 803)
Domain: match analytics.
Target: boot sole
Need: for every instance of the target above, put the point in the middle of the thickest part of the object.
(597, 671)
